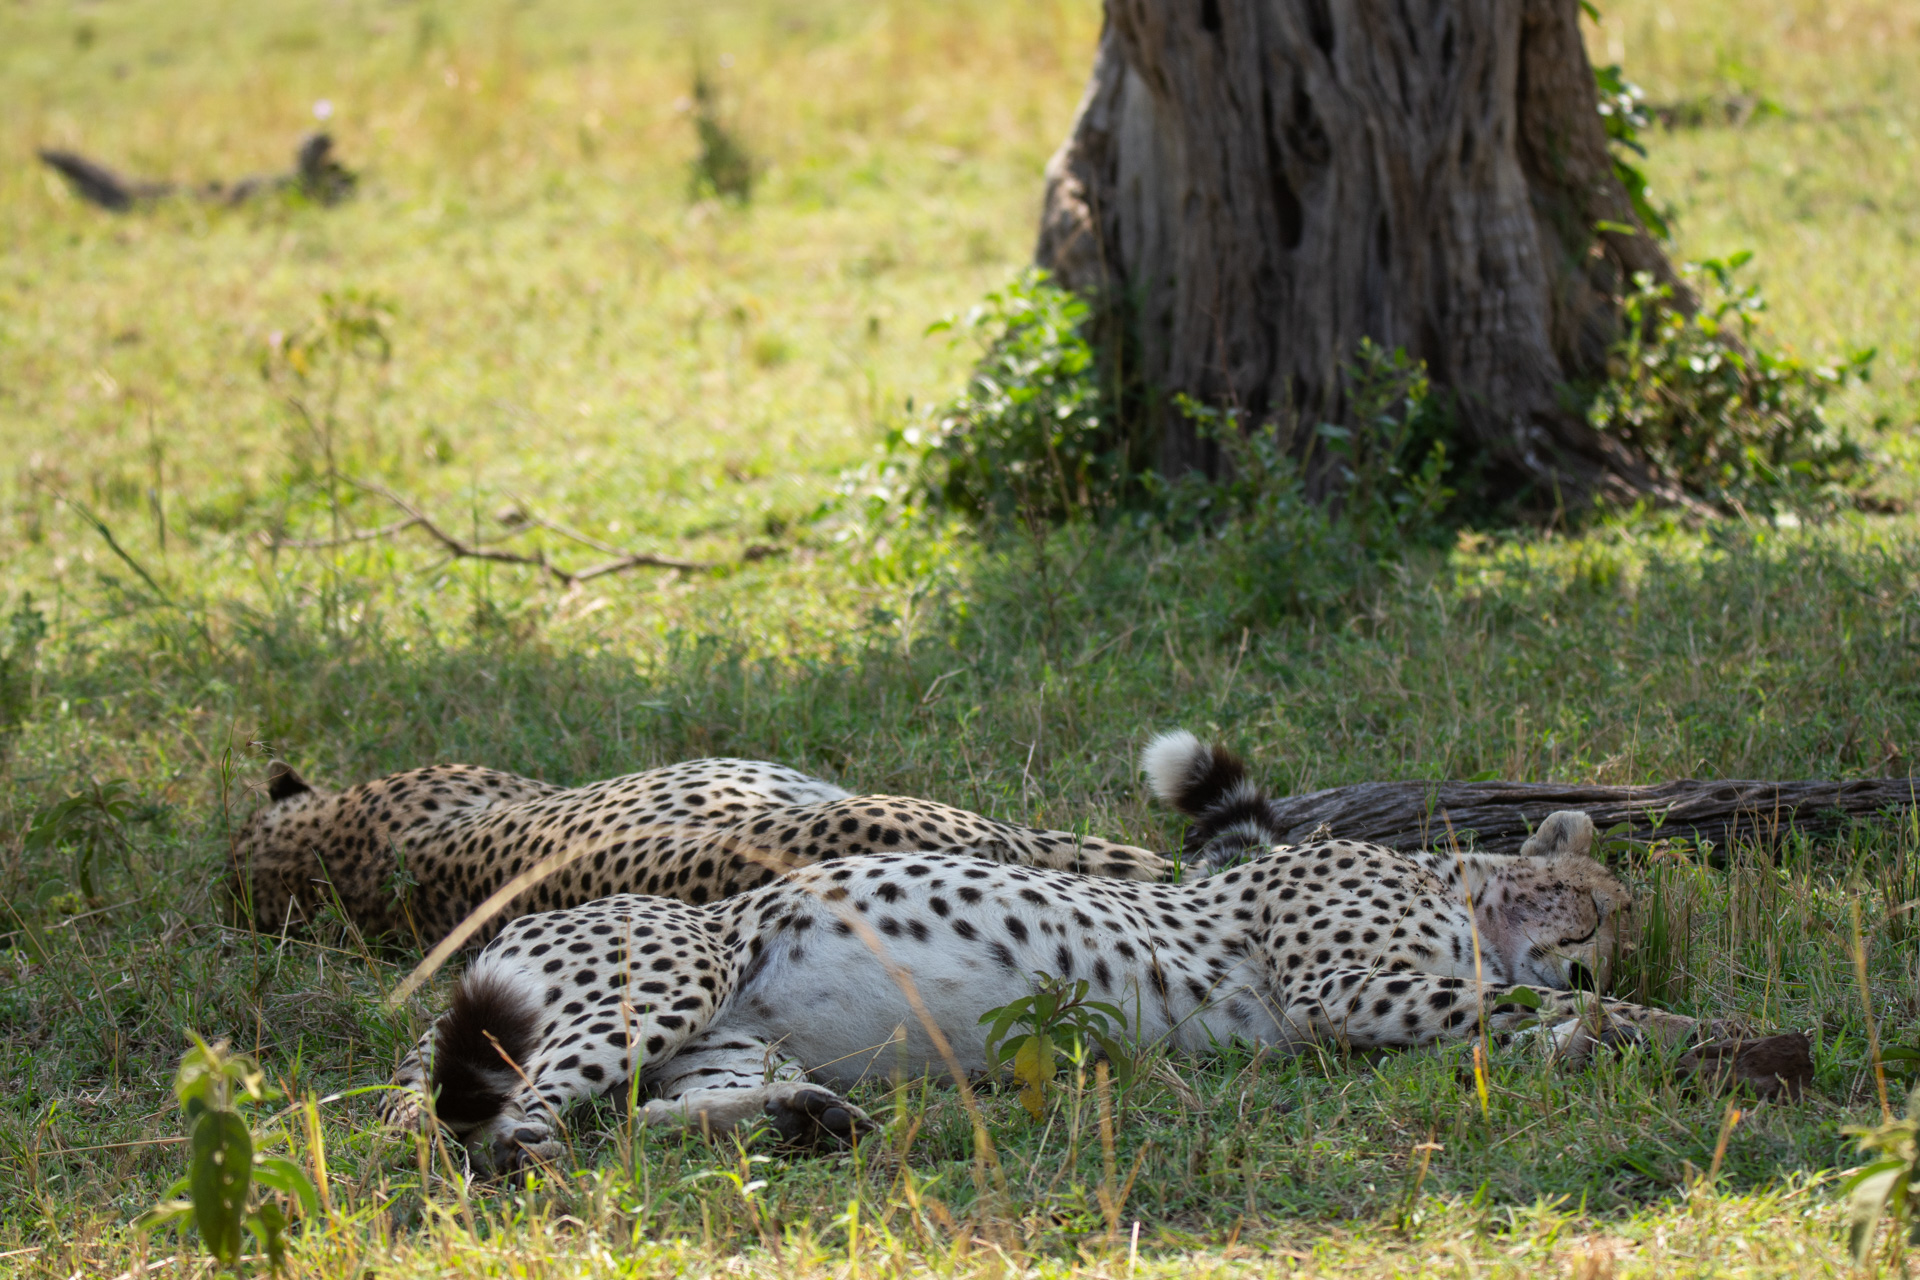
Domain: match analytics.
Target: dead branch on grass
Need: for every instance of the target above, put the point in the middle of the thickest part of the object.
(1497, 817)
(316, 174)
(464, 549)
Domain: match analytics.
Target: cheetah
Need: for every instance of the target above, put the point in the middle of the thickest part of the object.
(410, 855)
(765, 1008)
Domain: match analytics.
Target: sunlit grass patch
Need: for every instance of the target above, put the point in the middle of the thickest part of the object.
(572, 334)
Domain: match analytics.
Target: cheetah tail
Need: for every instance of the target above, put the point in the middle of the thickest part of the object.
(480, 1048)
(1231, 816)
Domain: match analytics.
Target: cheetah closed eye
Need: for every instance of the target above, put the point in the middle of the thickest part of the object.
(411, 854)
(769, 1005)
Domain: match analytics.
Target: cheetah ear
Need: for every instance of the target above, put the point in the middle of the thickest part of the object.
(283, 783)
(1563, 833)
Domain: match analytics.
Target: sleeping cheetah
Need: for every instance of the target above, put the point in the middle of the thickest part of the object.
(411, 854)
(766, 1007)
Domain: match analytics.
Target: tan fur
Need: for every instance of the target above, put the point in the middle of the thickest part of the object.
(411, 854)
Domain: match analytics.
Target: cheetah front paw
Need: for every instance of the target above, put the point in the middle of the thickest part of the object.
(517, 1146)
(808, 1115)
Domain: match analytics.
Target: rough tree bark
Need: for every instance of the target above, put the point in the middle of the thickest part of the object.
(1255, 185)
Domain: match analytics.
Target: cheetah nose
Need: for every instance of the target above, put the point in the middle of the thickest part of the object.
(1580, 978)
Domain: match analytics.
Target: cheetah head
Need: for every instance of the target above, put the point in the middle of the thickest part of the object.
(1557, 917)
(274, 861)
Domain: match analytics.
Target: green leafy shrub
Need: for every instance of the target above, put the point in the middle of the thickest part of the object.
(1029, 435)
(1056, 1016)
(1888, 1186)
(1718, 414)
(224, 1164)
(1297, 530)
(1623, 114)
(1391, 463)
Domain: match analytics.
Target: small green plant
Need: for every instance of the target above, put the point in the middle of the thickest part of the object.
(224, 1164)
(1028, 436)
(89, 823)
(1716, 412)
(26, 628)
(1056, 1017)
(723, 168)
(1303, 518)
(1888, 1187)
(1385, 470)
(1391, 462)
(1623, 113)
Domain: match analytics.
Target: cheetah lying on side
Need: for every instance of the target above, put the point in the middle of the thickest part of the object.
(411, 854)
(762, 1007)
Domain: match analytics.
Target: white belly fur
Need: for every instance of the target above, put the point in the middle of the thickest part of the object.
(826, 997)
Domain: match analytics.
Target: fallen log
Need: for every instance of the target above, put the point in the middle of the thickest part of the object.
(316, 174)
(1497, 816)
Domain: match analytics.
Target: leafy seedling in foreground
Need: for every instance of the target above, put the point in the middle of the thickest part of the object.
(1056, 1015)
(223, 1165)
(1888, 1187)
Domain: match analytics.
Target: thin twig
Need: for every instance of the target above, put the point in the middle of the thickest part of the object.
(462, 549)
(532, 517)
(364, 535)
(624, 558)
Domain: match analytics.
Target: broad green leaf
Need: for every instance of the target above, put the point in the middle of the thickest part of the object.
(1033, 1068)
(1867, 1194)
(270, 1226)
(1525, 997)
(282, 1174)
(1118, 1061)
(220, 1170)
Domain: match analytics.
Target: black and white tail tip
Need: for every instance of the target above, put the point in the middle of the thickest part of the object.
(483, 1041)
(1231, 816)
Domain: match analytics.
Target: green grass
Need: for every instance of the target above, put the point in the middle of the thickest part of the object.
(569, 332)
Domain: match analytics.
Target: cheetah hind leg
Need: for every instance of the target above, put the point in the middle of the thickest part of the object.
(403, 1105)
(723, 1082)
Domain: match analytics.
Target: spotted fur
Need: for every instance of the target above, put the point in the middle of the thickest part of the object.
(766, 1007)
(412, 854)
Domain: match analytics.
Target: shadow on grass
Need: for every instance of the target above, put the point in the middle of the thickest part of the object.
(1025, 693)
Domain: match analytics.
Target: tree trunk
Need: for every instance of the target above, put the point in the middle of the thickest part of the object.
(1496, 816)
(1253, 186)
